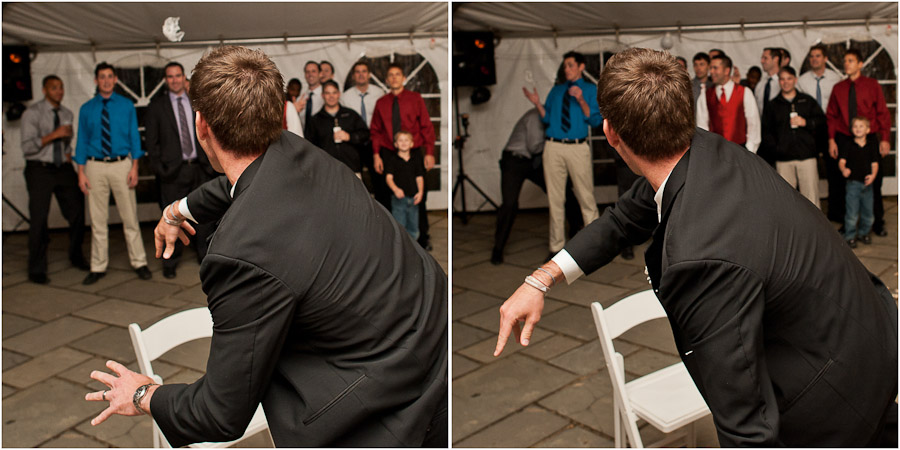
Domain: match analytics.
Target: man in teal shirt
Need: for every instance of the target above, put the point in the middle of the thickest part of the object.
(571, 107)
(109, 147)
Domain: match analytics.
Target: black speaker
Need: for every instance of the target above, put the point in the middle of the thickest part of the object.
(16, 73)
(473, 58)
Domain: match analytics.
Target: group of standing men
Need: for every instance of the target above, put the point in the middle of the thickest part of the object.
(358, 126)
(790, 120)
(109, 147)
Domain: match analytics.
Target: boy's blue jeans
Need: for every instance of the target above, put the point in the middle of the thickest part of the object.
(858, 206)
(407, 214)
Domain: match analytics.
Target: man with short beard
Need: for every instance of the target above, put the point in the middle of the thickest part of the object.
(47, 148)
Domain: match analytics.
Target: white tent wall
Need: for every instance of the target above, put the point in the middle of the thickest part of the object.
(76, 70)
(492, 122)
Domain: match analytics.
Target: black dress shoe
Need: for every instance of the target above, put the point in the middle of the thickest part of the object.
(841, 230)
(851, 243)
(39, 278)
(169, 272)
(496, 257)
(80, 264)
(93, 277)
(880, 232)
(143, 273)
(866, 239)
(628, 253)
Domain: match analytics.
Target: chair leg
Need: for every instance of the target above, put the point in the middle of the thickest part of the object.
(692, 435)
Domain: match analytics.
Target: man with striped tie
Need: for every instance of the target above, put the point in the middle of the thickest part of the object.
(175, 156)
(569, 110)
(818, 82)
(107, 154)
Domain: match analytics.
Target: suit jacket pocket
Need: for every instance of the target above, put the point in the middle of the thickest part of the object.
(334, 401)
(809, 386)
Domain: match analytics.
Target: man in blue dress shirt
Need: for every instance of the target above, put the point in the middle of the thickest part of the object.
(109, 147)
(570, 108)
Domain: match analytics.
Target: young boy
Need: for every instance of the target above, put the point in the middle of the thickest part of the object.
(405, 175)
(859, 165)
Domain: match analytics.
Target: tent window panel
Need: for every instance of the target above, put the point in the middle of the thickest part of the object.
(433, 105)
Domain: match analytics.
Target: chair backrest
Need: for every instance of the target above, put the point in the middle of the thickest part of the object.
(167, 334)
(611, 323)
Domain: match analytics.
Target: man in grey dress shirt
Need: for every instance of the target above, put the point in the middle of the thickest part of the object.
(47, 146)
(818, 82)
(361, 98)
(522, 160)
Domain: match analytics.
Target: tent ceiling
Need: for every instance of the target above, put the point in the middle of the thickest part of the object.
(52, 26)
(541, 19)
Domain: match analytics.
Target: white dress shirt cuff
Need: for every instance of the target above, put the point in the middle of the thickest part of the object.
(184, 211)
(568, 266)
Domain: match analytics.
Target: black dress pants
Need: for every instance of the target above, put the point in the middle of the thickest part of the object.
(189, 177)
(42, 181)
(514, 170)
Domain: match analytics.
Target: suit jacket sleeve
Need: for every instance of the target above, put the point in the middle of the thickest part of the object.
(209, 202)
(252, 312)
(718, 309)
(630, 222)
(151, 135)
(359, 132)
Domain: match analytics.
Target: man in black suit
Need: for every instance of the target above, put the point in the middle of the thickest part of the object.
(324, 309)
(175, 156)
(790, 340)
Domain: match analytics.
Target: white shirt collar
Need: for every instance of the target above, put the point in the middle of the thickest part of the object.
(658, 197)
(728, 87)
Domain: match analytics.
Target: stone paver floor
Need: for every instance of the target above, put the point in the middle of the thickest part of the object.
(54, 335)
(557, 392)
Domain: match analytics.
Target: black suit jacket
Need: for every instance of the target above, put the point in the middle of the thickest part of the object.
(163, 142)
(324, 310)
(788, 337)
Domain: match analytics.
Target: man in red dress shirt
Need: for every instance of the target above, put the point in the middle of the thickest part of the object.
(869, 103)
(411, 116)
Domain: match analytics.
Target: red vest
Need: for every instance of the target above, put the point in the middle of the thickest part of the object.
(728, 119)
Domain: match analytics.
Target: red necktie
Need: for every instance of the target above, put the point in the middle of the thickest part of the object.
(722, 99)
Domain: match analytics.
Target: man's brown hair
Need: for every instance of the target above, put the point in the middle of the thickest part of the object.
(649, 101)
(238, 91)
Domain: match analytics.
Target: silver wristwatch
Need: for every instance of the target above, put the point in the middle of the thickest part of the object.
(139, 395)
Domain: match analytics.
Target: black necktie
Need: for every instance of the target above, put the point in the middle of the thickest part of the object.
(105, 138)
(309, 106)
(851, 104)
(766, 92)
(57, 143)
(566, 122)
(395, 117)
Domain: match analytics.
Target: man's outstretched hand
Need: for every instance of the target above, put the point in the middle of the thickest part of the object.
(525, 305)
(165, 235)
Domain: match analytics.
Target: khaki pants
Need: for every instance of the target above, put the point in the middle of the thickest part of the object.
(562, 161)
(106, 177)
(803, 173)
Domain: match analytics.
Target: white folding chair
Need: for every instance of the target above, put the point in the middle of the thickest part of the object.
(668, 399)
(167, 334)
